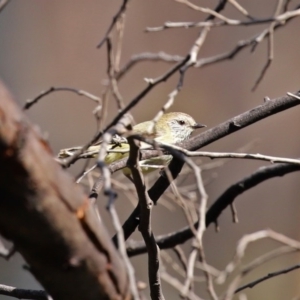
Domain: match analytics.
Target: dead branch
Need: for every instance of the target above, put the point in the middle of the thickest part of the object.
(266, 277)
(50, 220)
(114, 22)
(146, 204)
(52, 89)
(232, 125)
(181, 236)
(151, 84)
(11, 291)
(3, 3)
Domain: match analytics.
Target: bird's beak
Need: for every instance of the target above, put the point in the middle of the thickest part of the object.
(198, 125)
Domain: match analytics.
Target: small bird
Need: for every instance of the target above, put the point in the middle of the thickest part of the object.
(171, 128)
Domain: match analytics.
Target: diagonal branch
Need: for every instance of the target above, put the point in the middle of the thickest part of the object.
(266, 277)
(254, 115)
(31, 102)
(49, 218)
(145, 204)
(114, 22)
(222, 202)
(130, 105)
(11, 291)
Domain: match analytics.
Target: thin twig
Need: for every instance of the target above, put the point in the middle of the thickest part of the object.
(257, 262)
(270, 46)
(52, 89)
(212, 155)
(234, 213)
(283, 18)
(193, 58)
(227, 197)
(242, 44)
(147, 56)
(3, 3)
(120, 128)
(151, 84)
(272, 159)
(176, 284)
(198, 244)
(120, 34)
(266, 277)
(111, 75)
(114, 22)
(239, 7)
(122, 250)
(174, 265)
(232, 125)
(286, 5)
(240, 252)
(208, 11)
(83, 174)
(181, 256)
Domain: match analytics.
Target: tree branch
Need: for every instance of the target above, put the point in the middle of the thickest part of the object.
(50, 220)
(254, 115)
(11, 291)
(145, 227)
(181, 236)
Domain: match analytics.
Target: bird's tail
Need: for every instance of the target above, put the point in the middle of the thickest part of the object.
(89, 153)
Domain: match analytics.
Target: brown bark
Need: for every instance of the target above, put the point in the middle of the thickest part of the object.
(49, 218)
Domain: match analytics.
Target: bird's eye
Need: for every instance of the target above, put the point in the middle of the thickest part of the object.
(181, 122)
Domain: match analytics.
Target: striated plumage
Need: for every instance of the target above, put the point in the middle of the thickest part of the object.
(171, 128)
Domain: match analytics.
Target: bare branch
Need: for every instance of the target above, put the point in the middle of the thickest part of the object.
(67, 162)
(55, 228)
(181, 236)
(234, 213)
(148, 56)
(268, 276)
(181, 256)
(3, 3)
(114, 22)
(251, 42)
(11, 291)
(250, 238)
(208, 11)
(257, 262)
(145, 204)
(120, 128)
(254, 115)
(240, 252)
(122, 250)
(276, 20)
(270, 46)
(174, 265)
(272, 159)
(111, 76)
(176, 284)
(240, 8)
(198, 243)
(52, 89)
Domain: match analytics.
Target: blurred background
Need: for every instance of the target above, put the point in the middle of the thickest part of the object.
(53, 43)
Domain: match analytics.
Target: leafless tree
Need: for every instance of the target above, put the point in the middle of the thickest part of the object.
(47, 216)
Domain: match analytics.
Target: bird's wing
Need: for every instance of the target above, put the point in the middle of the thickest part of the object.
(143, 128)
(118, 142)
